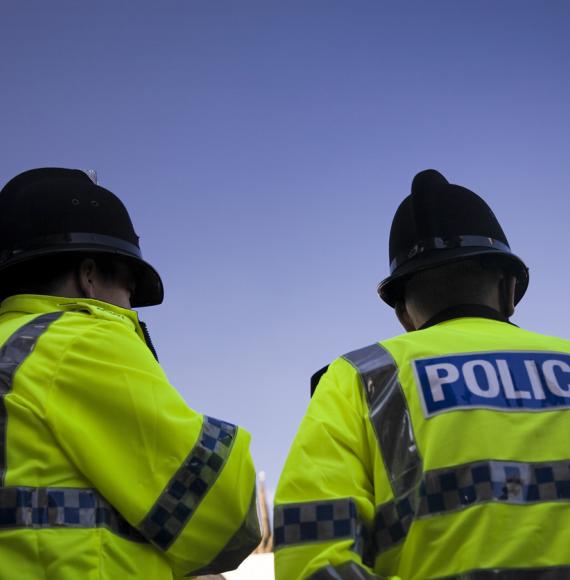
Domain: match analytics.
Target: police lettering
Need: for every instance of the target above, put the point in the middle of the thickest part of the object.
(510, 381)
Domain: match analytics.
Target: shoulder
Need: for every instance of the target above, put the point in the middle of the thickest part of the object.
(76, 314)
(90, 331)
(554, 342)
(94, 311)
(355, 368)
(78, 326)
(108, 339)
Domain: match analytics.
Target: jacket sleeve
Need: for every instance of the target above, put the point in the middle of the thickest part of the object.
(185, 481)
(324, 505)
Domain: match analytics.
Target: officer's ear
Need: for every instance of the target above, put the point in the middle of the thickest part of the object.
(87, 277)
(404, 316)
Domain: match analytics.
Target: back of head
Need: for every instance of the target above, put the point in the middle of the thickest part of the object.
(447, 247)
(50, 217)
(465, 282)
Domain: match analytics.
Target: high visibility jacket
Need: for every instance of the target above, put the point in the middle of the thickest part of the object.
(444, 452)
(105, 473)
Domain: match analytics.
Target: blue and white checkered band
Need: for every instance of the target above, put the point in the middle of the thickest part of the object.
(452, 242)
(48, 507)
(321, 521)
(440, 491)
(456, 488)
(190, 483)
(317, 521)
(505, 381)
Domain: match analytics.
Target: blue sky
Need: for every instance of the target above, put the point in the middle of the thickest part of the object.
(262, 148)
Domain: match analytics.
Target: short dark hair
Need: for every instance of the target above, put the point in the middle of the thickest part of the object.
(470, 281)
(44, 275)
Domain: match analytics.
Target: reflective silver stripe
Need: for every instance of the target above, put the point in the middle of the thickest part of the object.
(243, 542)
(451, 489)
(12, 354)
(553, 573)
(348, 571)
(465, 241)
(321, 521)
(190, 483)
(50, 507)
(78, 240)
(389, 415)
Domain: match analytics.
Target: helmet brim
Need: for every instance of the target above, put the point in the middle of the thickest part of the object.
(391, 289)
(149, 290)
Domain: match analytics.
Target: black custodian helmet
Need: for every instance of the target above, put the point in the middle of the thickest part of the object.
(50, 211)
(440, 223)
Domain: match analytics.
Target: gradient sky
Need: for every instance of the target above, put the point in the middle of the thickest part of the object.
(262, 148)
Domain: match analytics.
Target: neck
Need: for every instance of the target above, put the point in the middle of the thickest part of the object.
(464, 311)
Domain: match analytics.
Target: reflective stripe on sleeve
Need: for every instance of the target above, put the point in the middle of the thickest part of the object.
(244, 541)
(12, 354)
(320, 521)
(451, 489)
(348, 571)
(47, 507)
(190, 483)
(389, 415)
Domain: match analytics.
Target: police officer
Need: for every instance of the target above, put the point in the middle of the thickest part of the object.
(441, 453)
(105, 472)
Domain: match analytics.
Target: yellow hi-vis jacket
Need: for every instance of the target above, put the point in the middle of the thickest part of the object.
(105, 473)
(441, 453)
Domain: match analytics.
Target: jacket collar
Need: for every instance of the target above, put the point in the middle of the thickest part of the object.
(40, 304)
(466, 311)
